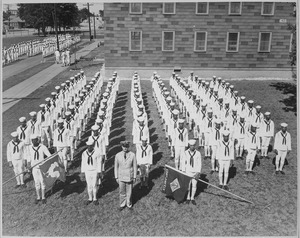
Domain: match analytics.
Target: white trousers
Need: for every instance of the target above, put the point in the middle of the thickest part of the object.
(38, 178)
(91, 181)
(280, 158)
(179, 150)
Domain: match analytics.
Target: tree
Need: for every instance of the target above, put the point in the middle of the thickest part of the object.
(84, 13)
(293, 53)
(40, 16)
(6, 15)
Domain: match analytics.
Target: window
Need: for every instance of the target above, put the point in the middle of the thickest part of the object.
(168, 38)
(267, 8)
(135, 8)
(202, 8)
(135, 40)
(264, 42)
(233, 42)
(235, 8)
(200, 41)
(291, 42)
(169, 8)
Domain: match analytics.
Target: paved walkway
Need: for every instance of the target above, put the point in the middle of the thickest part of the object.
(14, 94)
(27, 63)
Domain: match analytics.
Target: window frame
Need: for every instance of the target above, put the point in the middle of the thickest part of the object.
(259, 42)
(236, 14)
(238, 42)
(291, 41)
(262, 9)
(195, 40)
(207, 8)
(163, 39)
(135, 13)
(168, 13)
(141, 41)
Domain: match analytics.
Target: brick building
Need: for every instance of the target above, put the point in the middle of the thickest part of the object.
(235, 36)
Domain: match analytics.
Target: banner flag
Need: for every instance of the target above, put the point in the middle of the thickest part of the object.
(52, 170)
(176, 183)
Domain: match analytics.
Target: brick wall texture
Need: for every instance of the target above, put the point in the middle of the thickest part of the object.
(152, 21)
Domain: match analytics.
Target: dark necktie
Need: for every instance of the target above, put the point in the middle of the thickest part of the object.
(257, 117)
(16, 148)
(68, 124)
(234, 119)
(125, 155)
(209, 122)
(175, 124)
(221, 105)
(242, 128)
(96, 140)
(192, 158)
(141, 131)
(198, 108)
(226, 148)
(283, 138)
(144, 153)
(203, 114)
(43, 115)
(253, 137)
(22, 136)
(268, 125)
(180, 134)
(36, 153)
(235, 100)
(90, 158)
(77, 109)
(227, 112)
(60, 138)
(250, 111)
(32, 126)
(217, 134)
(243, 106)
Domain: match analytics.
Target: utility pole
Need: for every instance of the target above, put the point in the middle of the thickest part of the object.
(88, 6)
(55, 24)
(94, 26)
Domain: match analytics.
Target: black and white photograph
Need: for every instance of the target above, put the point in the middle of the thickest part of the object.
(153, 118)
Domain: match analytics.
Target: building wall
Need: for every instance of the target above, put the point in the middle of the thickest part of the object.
(118, 23)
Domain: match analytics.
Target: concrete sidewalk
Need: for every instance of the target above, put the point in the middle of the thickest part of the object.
(14, 94)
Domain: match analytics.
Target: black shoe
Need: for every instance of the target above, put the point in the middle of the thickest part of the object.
(96, 203)
(44, 201)
(121, 208)
(130, 208)
(282, 172)
(226, 187)
(212, 171)
(36, 201)
(23, 186)
(252, 172)
(246, 172)
(277, 172)
(220, 186)
(193, 202)
(188, 201)
(87, 202)
(17, 186)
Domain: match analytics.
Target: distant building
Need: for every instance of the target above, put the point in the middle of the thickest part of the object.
(14, 21)
(203, 35)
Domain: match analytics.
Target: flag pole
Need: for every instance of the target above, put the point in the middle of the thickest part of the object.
(43, 161)
(226, 191)
(211, 185)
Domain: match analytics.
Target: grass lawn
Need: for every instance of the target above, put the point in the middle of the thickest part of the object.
(216, 213)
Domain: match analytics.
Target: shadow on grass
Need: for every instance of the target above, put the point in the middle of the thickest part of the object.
(138, 194)
(201, 186)
(109, 183)
(291, 101)
(157, 157)
(69, 187)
